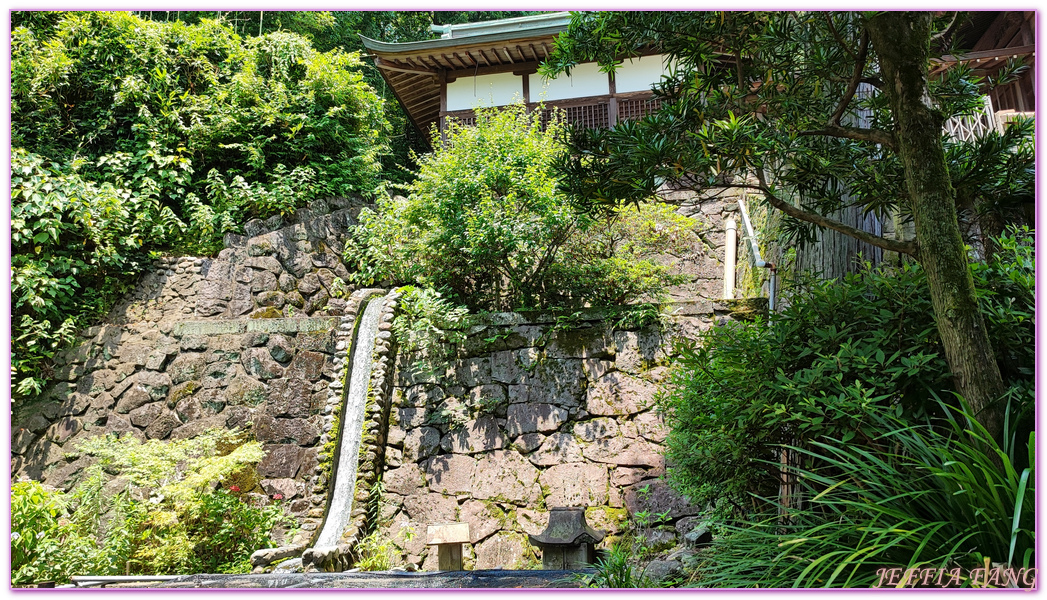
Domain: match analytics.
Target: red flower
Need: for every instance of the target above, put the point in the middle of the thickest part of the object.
(278, 496)
(234, 488)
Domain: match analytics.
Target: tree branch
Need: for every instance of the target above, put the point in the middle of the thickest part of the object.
(873, 81)
(941, 39)
(810, 217)
(876, 136)
(856, 79)
(738, 66)
(837, 36)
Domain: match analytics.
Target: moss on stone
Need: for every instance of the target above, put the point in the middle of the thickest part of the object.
(506, 518)
(747, 309)
(606, 513)
(180, 393)
(269, 312)
(260, 248)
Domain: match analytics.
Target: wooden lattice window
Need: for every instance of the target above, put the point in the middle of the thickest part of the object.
(580, 115)
(636, 108)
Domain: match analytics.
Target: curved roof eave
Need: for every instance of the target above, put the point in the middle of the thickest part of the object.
(473, 40)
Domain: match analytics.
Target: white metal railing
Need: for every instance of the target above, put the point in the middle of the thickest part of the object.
(755, 259)
(750, 235)
(969, 127)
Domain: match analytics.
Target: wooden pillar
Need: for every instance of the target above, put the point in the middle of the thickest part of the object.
(442, 120)
(448, 539)
(612, 104)
(730, 256)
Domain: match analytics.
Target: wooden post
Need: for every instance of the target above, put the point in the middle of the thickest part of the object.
(448, 539)
(442, 120)
(730, 256)
(450, 557)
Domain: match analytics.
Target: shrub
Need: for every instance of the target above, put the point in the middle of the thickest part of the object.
(75, 244)
(144, 508)
(45, 546)
(838, 352)
(485, 224)
(147, 104)
(615, 570)
(132, 136)
(429, 327)
(946, 496)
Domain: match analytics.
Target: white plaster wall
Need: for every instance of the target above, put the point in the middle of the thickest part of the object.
(639, 74)
(585, 80)
(500, 89)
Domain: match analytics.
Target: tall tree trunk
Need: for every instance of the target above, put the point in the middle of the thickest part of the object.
(902, 42)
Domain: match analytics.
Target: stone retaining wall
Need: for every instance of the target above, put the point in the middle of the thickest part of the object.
(278, 270)
(270, 377)
(536, 412)
(249, 339)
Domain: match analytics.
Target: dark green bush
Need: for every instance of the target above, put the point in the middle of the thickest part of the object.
(485, 224)
(837, 352)
(155, 107)
(75, 244)
(915, 497)
(166, 518)
(133, 136)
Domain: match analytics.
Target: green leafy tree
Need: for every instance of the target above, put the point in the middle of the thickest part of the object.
(768, 102)
(74, 246)
(330, 30)
(133, 136)
(837, 353)
(155, 107)
(484, 223)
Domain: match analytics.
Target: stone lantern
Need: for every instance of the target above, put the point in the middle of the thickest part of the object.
(568, 542)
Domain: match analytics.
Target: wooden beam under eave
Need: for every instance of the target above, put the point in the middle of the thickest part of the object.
(515, 68)
(382, 64)
(497, 61)
(450, 61)
(998, 53)
(1027, 31)
(472, 54)
(413, 94)
(471, 60)
(992, 33)
(417, 65)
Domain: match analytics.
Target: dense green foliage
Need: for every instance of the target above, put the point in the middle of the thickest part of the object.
(838, 352)
(132, 136)
(75, 243)
(329, 30)
(156, 106)
(485, 224)
(733, 103)
(813, 112)
(915, 496)
(147, 508)
(429, 326)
